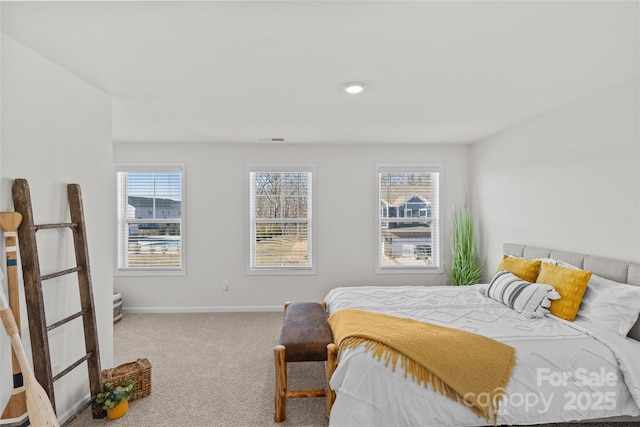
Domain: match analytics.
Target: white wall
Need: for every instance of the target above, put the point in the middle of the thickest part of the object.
(568, 179)
(56, 129)
(215, 204)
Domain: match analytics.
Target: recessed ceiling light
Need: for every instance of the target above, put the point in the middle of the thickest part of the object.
(353, 88)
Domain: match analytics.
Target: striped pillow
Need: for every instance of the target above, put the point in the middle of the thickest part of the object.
(522, 296)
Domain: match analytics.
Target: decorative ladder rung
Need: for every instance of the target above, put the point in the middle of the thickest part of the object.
(72, 367)
(60, 225)
(60, 273)
(38, 329)
(67, 319)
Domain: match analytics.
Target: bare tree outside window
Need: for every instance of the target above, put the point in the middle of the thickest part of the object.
(280, 215)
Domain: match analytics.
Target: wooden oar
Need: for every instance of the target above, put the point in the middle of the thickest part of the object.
(9, 222)
(41, 413)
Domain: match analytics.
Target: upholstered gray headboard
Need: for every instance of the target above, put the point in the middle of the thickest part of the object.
(609, 268)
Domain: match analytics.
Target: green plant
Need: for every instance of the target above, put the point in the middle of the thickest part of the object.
(466, 268)
(112, 396)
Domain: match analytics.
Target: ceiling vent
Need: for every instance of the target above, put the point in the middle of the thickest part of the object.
(270, 139)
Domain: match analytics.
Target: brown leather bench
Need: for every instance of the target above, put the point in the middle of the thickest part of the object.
(305, 337)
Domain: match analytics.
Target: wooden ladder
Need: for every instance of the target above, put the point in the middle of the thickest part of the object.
(38, 327)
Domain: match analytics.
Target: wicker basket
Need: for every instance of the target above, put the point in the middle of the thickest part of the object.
(139, 371)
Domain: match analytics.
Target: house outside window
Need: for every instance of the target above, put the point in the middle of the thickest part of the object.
(150, 219)
(280, 219)
(408, 228)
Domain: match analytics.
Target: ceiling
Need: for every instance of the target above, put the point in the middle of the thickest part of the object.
(242, 71)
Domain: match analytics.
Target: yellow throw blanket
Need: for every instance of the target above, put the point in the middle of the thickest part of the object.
(468, 368)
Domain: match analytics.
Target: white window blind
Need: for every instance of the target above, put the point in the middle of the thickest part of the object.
(280, 219)
(150, 218)
(408, 225)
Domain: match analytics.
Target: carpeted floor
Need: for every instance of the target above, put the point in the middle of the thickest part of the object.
(215, 369)
(210, 369)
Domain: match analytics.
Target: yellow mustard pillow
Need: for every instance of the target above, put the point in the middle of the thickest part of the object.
(525, 269)
(570, 284)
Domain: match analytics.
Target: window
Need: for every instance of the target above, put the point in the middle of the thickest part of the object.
(408, 228)
(150, 212)
(280, 220)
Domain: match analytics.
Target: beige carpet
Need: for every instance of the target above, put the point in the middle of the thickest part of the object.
(215, 369)
(210, 369)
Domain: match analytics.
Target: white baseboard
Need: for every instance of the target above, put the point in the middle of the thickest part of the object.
(214, 309)
(75, 410)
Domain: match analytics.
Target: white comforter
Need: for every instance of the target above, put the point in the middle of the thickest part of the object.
(564, 371)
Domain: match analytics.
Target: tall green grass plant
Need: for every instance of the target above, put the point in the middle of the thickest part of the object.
(466, 268)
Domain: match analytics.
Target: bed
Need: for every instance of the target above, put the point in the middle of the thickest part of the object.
(564, 371)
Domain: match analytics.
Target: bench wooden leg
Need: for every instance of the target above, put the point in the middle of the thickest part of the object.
(331, 363)
(280, 398)
(303, 313)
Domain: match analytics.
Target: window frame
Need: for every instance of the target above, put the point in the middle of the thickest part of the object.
(151, 271)
(250, 236)
(436, 247)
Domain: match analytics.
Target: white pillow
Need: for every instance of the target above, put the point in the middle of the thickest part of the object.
(522, 296)
(613, 305)
(560, 263)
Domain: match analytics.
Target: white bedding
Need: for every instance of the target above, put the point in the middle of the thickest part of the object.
(564, 371)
